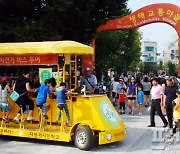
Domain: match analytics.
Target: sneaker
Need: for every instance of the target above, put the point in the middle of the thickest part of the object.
(6, 119)
(30, 118)
(140, 114)
(147, 104)
(45, 116)
(16, 120)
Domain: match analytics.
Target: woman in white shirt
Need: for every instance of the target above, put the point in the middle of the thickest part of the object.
(114, 89)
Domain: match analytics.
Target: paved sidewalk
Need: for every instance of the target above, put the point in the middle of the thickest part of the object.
(138, 141)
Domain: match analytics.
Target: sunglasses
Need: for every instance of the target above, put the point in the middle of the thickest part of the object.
(132, 79)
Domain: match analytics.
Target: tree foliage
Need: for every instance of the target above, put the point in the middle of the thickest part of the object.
(39, 20)
(119, 50)
(171, 68)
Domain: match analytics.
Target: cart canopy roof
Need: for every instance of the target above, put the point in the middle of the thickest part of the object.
(48, 47)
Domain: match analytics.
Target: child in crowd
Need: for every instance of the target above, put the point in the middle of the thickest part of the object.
(140, 100)
(61, 101)
(122, 100)
(176, 113)
(4, 102)
(43, 94)
(101, 90)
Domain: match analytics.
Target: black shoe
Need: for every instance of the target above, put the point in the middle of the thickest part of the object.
(147, 104)
(151, 125)
(45, 116)
(165, 125)
(170, 126)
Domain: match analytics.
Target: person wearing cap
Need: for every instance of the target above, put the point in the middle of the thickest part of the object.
(4, 102)
(157, 100)
(89, 80)
(101, 90)
(169, 96)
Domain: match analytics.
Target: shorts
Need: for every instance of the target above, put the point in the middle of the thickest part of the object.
(43, 104)
(146, 92)
(140, 103)
(131, 98)
(6, 106)
(114, 95)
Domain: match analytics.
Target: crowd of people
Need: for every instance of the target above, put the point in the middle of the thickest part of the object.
(160, 94)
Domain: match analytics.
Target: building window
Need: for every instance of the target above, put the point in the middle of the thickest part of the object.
(149, 59)
(148, 48)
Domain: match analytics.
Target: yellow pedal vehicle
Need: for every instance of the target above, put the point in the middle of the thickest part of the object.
(93, 118)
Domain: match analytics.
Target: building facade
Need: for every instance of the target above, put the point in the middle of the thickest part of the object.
(149, 52)
(171, 53)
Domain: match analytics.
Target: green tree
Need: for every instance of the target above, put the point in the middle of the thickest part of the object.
(171, 68)
(40, 20)
(160, 66)
(115, 49)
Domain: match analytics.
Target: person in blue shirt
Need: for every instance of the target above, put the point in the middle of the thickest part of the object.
(43, 93)
(89, 80)
(61, 101)
(140, 100)
(132, 95)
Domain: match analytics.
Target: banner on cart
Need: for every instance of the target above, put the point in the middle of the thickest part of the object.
(29, 59)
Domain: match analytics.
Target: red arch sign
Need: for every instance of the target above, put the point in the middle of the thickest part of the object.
(162, 12)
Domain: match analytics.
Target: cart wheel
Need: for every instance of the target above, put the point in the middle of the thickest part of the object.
(84, 138)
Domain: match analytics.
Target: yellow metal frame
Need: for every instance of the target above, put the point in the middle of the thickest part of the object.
(61, 74)
(77, 106)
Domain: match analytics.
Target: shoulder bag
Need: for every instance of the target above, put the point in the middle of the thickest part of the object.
(14, 96)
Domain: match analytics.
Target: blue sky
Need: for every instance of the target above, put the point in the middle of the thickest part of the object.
(160, 32)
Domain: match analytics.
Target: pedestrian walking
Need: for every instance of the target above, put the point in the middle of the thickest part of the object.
(140, 100)
(114, 89)
(169, 96)
(176, 114)
(132, 95)
(122, 100)
(157, 100)
(146, 89)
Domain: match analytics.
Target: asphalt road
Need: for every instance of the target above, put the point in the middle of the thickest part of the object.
(138, 141)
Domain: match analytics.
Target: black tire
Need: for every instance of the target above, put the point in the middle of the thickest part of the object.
(83, 138)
